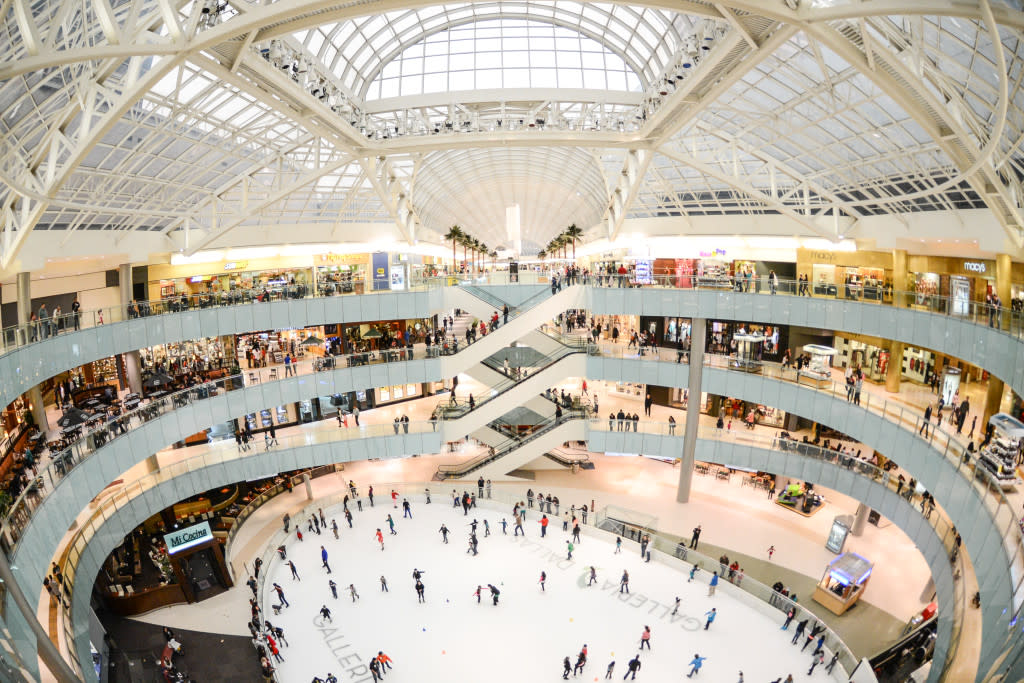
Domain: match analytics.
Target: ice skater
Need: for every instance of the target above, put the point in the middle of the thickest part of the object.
(713, 584)
(391, 525)
(295, 572)
(420, 597)
(476, 594)
(487, 529)
(632, 667)
(504, 527)
(334, 588)
(394, 493)
(570, 547)
(380, 539)
(334, 528)
(519, 525)
(816, 659)
(610, 670)
(444, 532)
(384, 661)
(696, 663)
(374, 669)
(383, 584)
(494, 593)
(711, 617)
(581, 660)
(771, 551)
(675, 608)
(567, 667)
(280, 595)
(326, 613)
(693, 572)
(543, 578)
(576, 533)
(624, 582)
(618, 545)
(645, 638)
(406, 510)
(593, 576)
(348, 518)
(323, 557)
(352, 592)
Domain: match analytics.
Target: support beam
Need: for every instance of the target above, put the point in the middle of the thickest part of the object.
(698, 330)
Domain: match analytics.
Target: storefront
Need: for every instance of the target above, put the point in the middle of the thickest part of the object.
(936, 278)
(341, 273)
(208, 351)
(625, 324)
(854, 274)
(236, 275)
(281, 416)
(397, 392)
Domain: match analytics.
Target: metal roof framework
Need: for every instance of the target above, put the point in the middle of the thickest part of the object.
(206, 120)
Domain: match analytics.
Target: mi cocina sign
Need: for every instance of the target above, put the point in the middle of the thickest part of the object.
(188, 537)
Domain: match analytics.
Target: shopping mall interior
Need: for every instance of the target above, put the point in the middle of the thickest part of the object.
(295, 309)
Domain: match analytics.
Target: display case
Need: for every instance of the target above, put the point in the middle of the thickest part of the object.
(282, 415)
(1000, 459)
(818, 371)
(745, 359)
(266, 418)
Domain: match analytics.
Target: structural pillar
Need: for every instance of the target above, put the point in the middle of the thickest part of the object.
(309, 485)
(698, 331)
(34, 395)
(993, 402)
(894, 371)
(899, 276)
(132, 362)
(860, 519)
(1003, 276)
(47, 650)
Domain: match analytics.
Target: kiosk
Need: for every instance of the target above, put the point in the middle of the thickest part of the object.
(844, 582)
(818, 371)
(746, 353)
(999, 457)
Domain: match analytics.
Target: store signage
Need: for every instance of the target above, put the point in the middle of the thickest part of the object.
(715, 253)
(236, 265)
(823, 256)
(974, 266)
(380, 266)
(331, 257)
(188, 537)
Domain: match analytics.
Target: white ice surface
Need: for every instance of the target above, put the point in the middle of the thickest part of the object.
(452, 638)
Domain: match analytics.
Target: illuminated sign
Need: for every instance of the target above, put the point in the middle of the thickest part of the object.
(188, 537)
(713, 254)
(974, 266)
(235, 265)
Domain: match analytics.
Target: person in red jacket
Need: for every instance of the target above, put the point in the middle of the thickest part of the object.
(384, 661)
(543, 526)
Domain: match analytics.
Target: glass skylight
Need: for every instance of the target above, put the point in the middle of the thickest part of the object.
(503, 53)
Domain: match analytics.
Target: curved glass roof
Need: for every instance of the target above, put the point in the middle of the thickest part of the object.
(317, 114)
(357, 51)
(504, 53)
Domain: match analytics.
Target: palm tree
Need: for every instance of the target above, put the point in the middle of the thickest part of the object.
(465, 241)
(542, 254)
(454, 234)
(574, 233)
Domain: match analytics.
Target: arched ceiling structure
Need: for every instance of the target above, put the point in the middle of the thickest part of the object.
(220, 121)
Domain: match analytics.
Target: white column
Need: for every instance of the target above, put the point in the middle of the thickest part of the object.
(698, 328)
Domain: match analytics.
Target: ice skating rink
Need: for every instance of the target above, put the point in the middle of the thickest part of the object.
(525, 637)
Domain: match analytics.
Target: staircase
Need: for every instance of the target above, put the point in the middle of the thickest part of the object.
(514, 453)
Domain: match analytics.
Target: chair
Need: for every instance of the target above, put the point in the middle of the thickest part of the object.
(254, 378)
(273, 373)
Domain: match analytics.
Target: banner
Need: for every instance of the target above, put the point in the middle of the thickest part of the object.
(381, 278)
